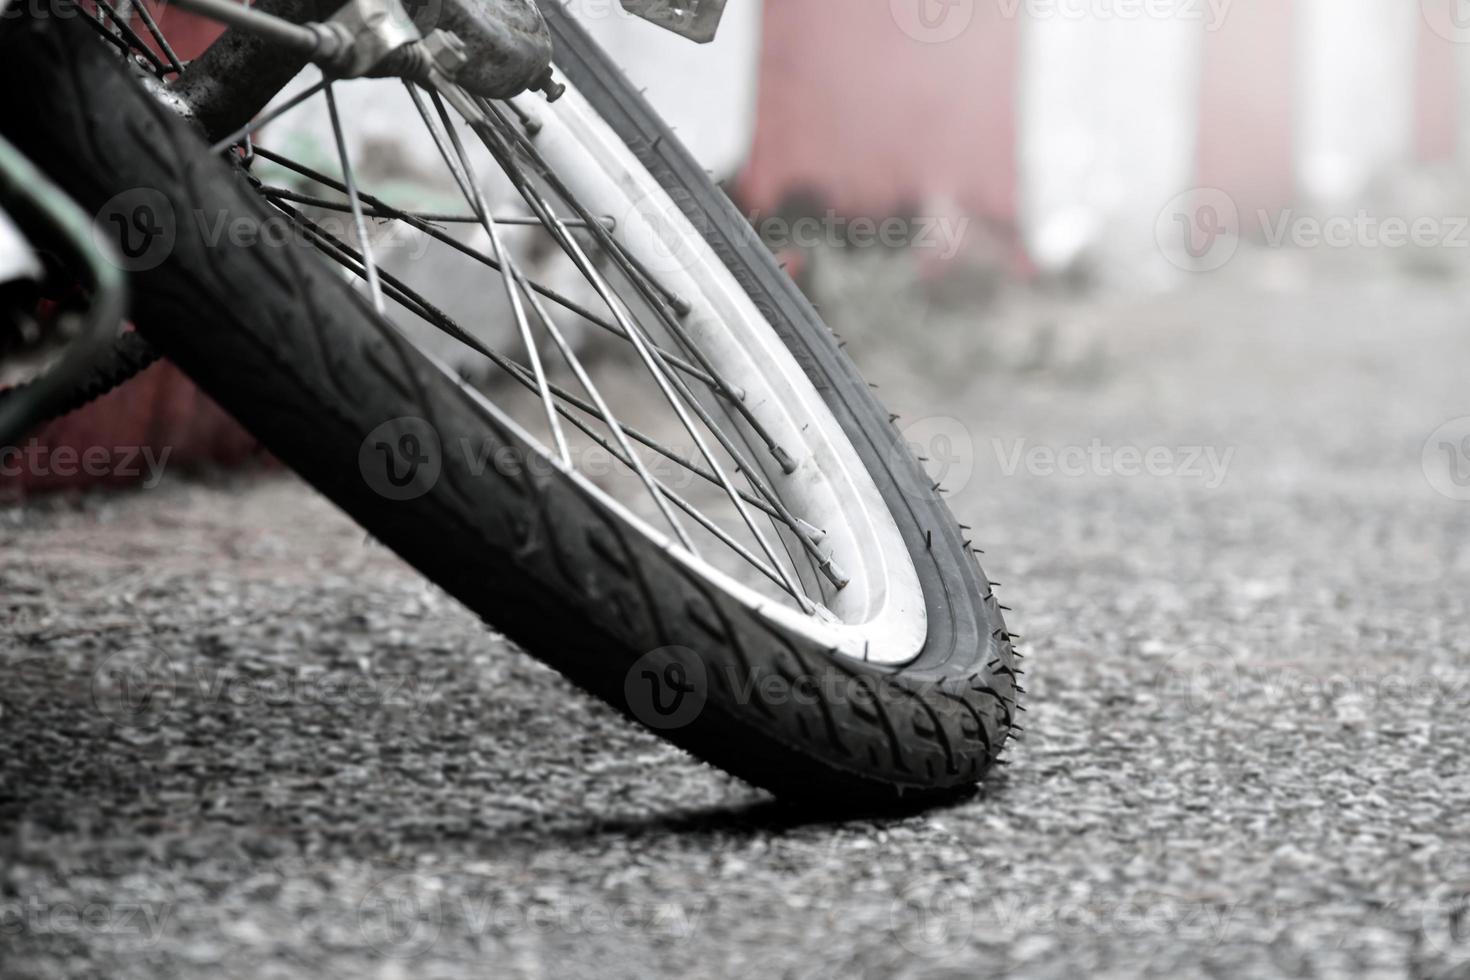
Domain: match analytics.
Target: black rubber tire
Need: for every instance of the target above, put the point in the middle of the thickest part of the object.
(125, 358)
(278, 339)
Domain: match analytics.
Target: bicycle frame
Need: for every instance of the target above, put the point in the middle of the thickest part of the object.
(42, 210)
(506, 50)
(263, 48)
(224, 89)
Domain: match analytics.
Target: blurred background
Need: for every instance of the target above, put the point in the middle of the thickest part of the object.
(983, 165)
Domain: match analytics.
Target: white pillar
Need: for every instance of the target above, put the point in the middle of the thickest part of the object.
(1461, 97)
(1450, 19)
(1355, 93)
(1108, 116)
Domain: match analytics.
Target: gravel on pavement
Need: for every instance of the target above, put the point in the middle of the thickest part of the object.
(239, 739)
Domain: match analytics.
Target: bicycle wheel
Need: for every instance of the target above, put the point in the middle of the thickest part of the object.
(777, 587)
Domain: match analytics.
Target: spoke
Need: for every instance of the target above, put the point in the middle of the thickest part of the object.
(256, 124)
(669, 311)
(95, 22)
(631, 460)
(459, 165)
(132, 38)
(342, 253)
(529, 123)
(508, 145)
(825, 563)
(371, 268)
(168, 52)
(413, 302)
(681, 306)
(440, 236)
(568, 354)
(665, 381)
(376, 212)
(372, 211)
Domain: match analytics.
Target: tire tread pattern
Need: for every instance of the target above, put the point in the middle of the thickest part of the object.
(283, 343)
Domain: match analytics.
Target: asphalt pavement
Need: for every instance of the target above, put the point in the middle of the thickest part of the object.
(1231, 521)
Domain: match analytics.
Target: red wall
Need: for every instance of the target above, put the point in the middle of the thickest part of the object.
(875, 121)
(1247, 110)
(1435, 125)
(159, 409)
